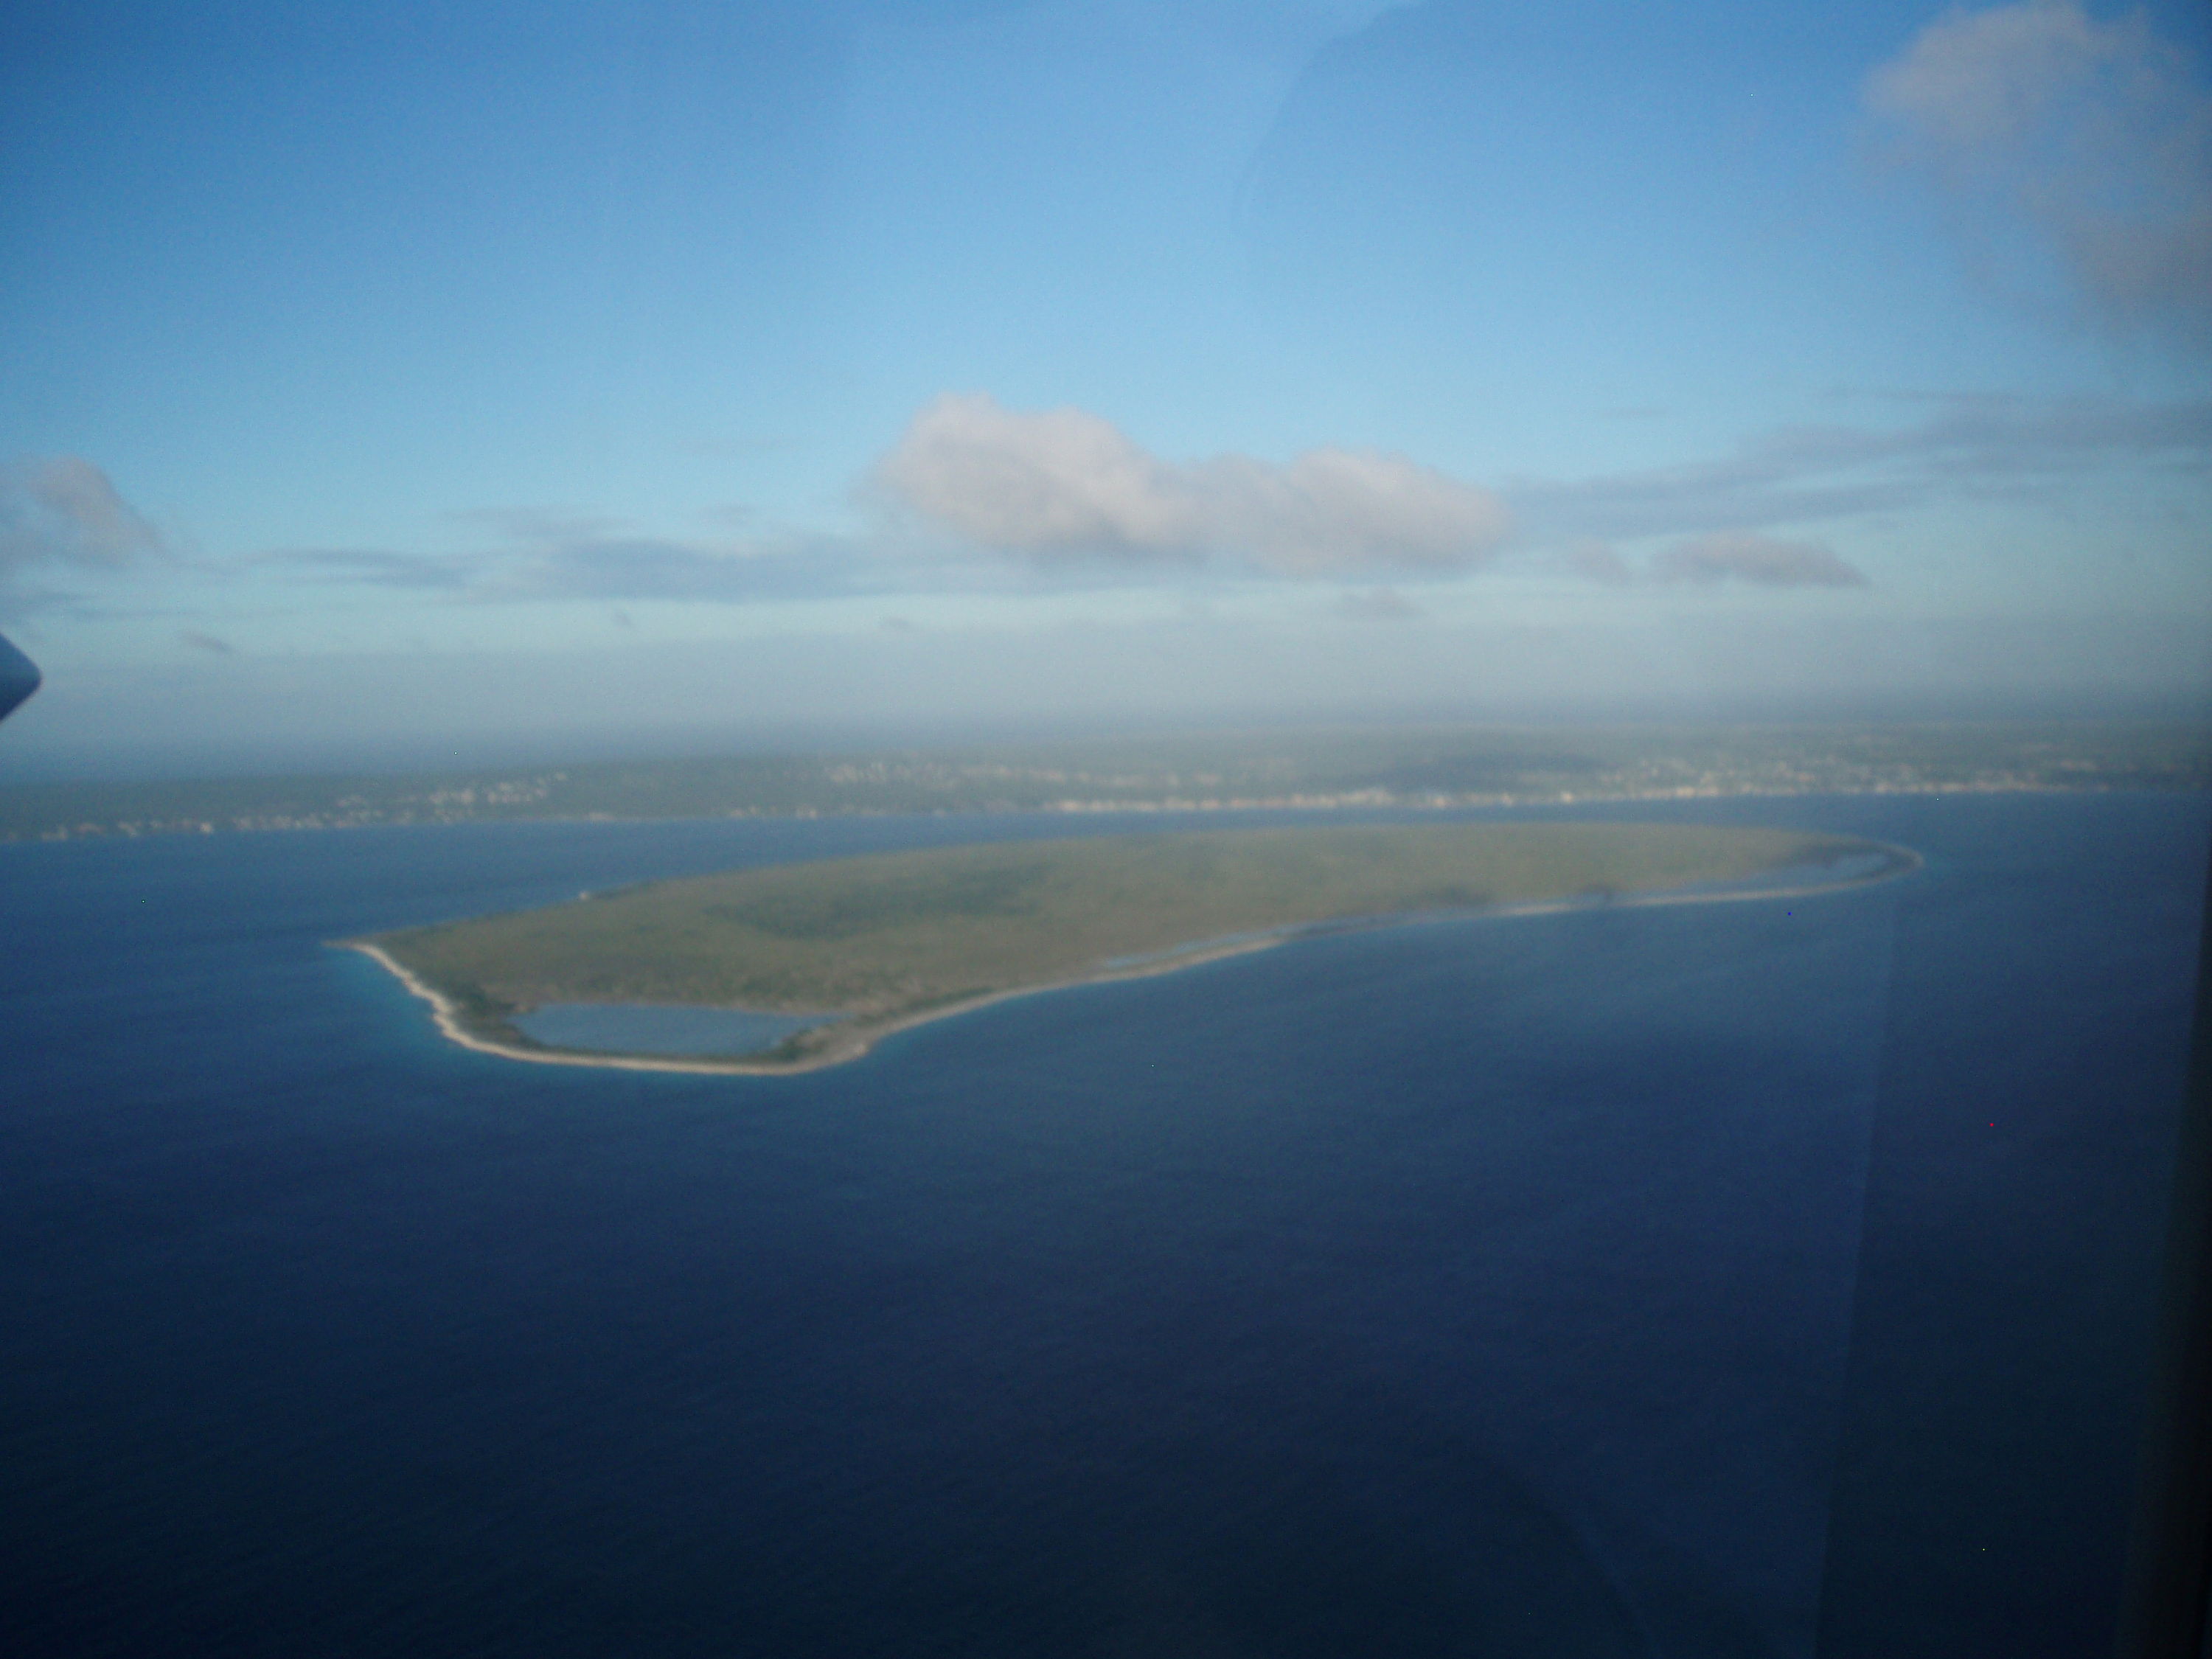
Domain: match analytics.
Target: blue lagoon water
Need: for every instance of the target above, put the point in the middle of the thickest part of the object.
(649, 1027)
(1725, 1279)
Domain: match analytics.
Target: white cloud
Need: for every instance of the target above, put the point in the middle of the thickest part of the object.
(62, 510)
(1974, 80)
(2093, 136)
(1062, 485)
(1762, 560)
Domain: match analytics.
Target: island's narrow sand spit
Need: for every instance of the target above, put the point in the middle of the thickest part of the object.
(843, 1045)
(851, 1044)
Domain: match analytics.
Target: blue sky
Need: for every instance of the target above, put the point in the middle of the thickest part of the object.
(435, 381)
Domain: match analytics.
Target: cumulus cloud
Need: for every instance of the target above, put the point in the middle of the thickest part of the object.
(1067, 489)
(1063, 484)
(1762, 560)
(207, 642)
(2093, 136)
(62, 510)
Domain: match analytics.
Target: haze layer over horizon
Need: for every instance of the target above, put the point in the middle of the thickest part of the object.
(582, 381)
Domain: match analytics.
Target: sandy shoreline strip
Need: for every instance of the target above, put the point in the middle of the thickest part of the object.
(850, 1044)
(845, 1045)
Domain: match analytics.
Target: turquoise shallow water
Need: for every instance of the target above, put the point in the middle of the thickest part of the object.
(1699, 1281)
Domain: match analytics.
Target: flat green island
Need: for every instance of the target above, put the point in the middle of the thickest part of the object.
(871, 945)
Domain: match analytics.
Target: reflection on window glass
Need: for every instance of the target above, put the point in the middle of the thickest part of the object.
(1221, 827)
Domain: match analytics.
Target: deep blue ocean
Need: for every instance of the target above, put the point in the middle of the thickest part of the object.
(1746, 1279)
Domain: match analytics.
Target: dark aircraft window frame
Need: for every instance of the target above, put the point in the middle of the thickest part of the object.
(2167, 1601)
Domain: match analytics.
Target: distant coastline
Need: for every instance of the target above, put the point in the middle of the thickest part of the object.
(1327, 768)
(1355, 801)
(842, 1043)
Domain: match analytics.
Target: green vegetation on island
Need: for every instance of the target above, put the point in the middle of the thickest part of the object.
(880, 941)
